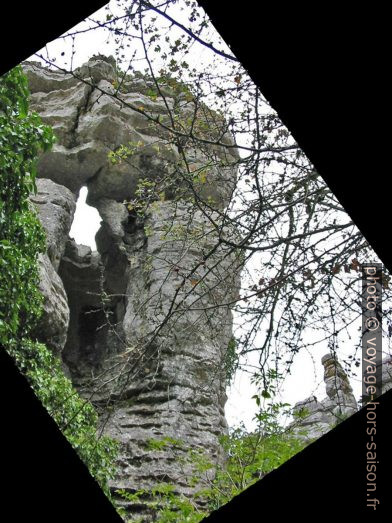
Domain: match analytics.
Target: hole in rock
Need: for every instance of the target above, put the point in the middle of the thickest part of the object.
(86, 222)
(92, 330)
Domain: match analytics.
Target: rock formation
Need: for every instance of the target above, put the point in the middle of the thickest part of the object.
(318, 417)
(139, 323)
(56, 206)
(386, 374)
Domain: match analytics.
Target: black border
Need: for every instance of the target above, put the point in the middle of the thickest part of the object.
(323, 71)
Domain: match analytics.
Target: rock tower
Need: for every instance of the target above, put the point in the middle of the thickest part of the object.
(142, 324)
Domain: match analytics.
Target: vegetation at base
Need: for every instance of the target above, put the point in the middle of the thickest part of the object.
(22, 238)
(250, 455)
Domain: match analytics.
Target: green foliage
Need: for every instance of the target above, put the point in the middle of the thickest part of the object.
(123, 152)
(301, 413)
(22, 238)
(160, 444)
(249, 457)
(22, 136)
(167, 80)
(76, 418)
(169, 506)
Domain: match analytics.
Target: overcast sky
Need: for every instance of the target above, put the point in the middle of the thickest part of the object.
(307, 372)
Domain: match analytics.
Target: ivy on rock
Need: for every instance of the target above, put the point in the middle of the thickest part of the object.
(22, 137)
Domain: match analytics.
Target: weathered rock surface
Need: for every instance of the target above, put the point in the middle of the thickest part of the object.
(80, 272)
(149, 320)
(386, 378)
(53, 324)
(319, 417)
(89, 124)
(55, 205)
(175, 366)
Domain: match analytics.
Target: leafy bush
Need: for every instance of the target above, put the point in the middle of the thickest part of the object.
(22, 136)
(22, 238)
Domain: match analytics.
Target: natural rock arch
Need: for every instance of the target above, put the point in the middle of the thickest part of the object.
(105, 311)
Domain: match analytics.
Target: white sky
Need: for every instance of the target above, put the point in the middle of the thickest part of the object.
(307, 371)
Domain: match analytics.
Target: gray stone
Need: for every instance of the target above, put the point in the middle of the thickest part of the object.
(60, 109)
(335, 378)
(53, 324)
(89, 124)
(55, 205)
(81, 272)
(43, 80)
(182, 368)
(386, 373)
(115, 215)
(319, 417)
(149, 312)
(339, 404)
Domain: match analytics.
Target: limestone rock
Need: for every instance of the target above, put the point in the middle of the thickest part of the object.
(180, 371)
(80, 271)
(43, 80)
(90, 124)
(386, 373)
(63, 117)
(316, 418)
(115, 216)
(319, 417)
(53, 324)
(149, 312)
(336, 381)
(55, 205)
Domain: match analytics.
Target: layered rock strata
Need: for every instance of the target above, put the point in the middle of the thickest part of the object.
(143, 323)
